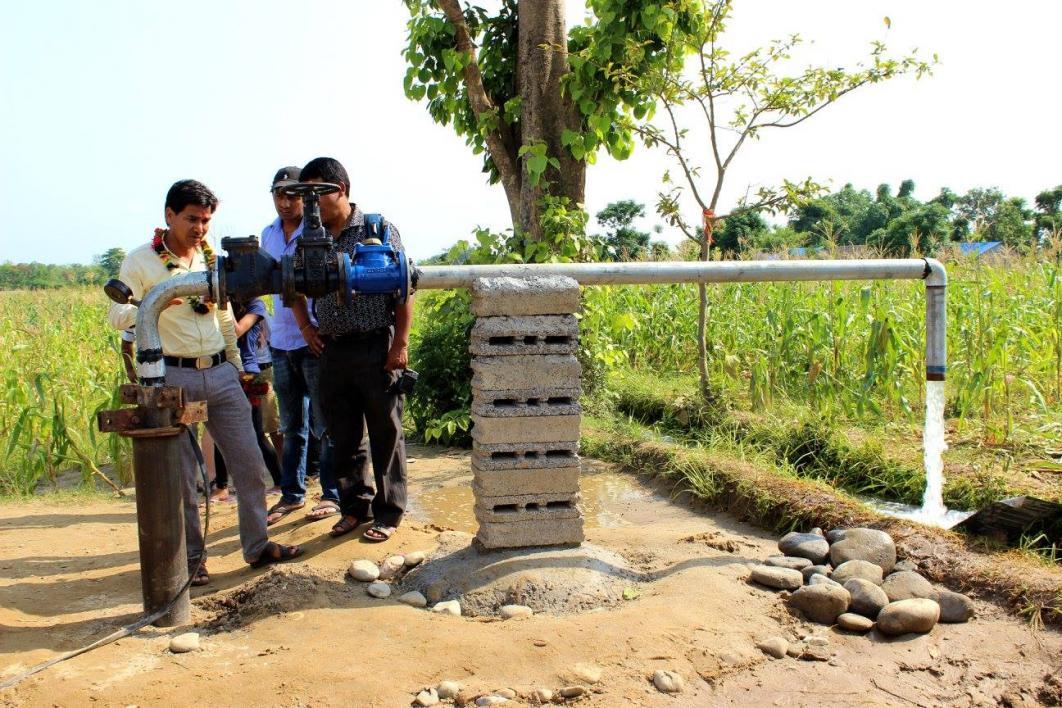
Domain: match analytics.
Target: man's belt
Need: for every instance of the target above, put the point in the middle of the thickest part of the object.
(198, 362)
(356, 336)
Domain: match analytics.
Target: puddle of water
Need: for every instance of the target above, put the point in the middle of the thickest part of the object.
(607, 498)
(949, 518)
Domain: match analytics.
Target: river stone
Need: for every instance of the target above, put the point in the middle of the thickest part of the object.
(413, 599)
(796, 649)
(835, 535)
(822, 580)
(817, 532)
(857, 569)
(515, 611)
(778, 578)
(815, 570)
(506, 693)
(854, 623)
(490, 701)
(667, 681)
(820, 603)
(865, 544)
(544, 695)
(805, 545)
(815, 652)
(390, 567)
(414, 558)
(867, 598)
(448, 689)
(774, 646)
(904, 616)
(189, 641)
(588, 673)
(572, 691)
(427, 697)
(954, 606)
(451, 607)
(905, 565)
(787, 562)
(906, 585)
(379, 590)
(364, 570)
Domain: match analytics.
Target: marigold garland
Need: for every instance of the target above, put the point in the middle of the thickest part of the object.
(158, 244)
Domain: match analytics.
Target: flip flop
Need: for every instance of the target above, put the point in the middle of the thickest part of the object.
(322, 510)
(201, 577)
(276, 553)
(281, 509)
(379, 534)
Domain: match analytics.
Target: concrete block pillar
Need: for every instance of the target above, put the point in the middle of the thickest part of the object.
(525, 411)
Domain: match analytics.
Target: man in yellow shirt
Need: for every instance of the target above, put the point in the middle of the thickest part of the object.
(199, 348)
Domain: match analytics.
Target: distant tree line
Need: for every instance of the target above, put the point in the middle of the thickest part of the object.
(40, 276)
(900, 225)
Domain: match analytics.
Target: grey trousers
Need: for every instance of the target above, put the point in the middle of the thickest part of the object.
(229, 423)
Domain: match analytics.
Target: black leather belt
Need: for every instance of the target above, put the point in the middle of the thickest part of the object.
(357, 336)
(199, 362)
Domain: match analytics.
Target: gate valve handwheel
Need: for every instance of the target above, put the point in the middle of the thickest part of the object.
(118, 291)
(302, 189)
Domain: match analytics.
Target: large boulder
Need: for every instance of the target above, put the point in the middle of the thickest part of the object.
(870, 545)
(867, 598)
(857, 569)
(794, 562)
(820, 603)
(906, 585)
(916, 615)
(954, 606)
(805, 545)
(778, 578)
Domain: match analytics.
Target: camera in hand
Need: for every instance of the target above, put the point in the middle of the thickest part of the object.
(405, 382)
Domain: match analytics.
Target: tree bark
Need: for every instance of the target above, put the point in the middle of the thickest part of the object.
(542, 62)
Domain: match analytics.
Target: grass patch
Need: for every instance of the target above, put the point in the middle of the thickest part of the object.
(814, 447)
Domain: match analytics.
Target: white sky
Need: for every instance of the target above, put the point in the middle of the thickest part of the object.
(103, 105)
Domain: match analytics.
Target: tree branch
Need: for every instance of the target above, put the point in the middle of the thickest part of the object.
(500, 141)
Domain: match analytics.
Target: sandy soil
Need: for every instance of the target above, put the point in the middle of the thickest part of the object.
(306, 635)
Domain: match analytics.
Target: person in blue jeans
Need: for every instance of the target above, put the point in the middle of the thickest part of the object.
(295, 373)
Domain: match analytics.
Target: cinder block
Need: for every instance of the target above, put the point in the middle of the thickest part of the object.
(523, 372)
(544, 505)
(553, 295)
(508, 456)
(510, 404)
(534, 334)
(522, 534)
(541, 428)
(501, 483)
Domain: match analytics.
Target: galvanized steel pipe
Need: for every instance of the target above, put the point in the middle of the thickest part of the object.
(150, 367)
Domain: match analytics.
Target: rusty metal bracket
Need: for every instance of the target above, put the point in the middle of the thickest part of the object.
(157, 412)
(192, 412)
(119, 420)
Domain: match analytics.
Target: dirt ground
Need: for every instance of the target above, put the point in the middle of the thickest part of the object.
(305, 634)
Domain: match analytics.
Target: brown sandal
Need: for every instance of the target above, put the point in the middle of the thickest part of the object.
(276, 553)
(379, 534)
(345, 525)
(281, 509)
(201, 577)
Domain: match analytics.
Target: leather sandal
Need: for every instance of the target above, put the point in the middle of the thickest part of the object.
(276, 553)
(345, 525)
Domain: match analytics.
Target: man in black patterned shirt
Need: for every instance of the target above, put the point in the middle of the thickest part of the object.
(363, 348)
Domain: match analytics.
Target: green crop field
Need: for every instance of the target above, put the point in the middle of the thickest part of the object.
(852, 352)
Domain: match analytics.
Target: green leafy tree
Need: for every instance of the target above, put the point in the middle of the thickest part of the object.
(741, 232)
(922, 229)
(1048, 213)
(1011, 224)
(836, 217)
(111, 261)
(624, 241)
(536, 100)
(740, 99)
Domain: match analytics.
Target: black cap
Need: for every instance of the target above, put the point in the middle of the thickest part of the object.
(285, 177)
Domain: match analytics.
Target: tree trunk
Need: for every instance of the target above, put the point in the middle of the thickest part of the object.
(542, 61)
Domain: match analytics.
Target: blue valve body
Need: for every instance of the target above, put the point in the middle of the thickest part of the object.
(376, 269)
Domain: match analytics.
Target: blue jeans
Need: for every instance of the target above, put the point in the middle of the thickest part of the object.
(295, 382)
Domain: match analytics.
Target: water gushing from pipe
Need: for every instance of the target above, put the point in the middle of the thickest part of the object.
(933, 446)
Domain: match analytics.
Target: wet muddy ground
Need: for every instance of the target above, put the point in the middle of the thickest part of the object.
(305, 634)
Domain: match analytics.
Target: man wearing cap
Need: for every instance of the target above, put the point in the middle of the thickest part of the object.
(295, 372)
(199, 348)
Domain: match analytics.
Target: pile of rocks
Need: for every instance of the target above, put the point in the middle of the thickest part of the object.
(851, 578)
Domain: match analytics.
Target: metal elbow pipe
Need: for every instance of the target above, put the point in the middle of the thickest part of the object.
(936, 320)
(150, 367)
